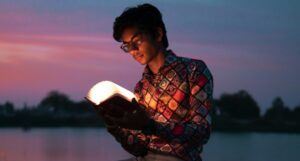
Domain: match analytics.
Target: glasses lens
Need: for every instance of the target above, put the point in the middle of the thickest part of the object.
(132, 45)
(125, 48)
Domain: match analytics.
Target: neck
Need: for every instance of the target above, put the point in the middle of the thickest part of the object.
(157, 61)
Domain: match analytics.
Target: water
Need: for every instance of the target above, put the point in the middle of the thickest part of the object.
(95, 144)
(253, 147)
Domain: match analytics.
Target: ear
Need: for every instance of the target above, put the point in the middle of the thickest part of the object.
(159, 34)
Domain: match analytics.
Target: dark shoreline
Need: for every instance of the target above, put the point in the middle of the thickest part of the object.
(237, 112)
(258, 126)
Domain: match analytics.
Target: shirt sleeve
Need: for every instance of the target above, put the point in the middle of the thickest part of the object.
(195, 128)
(133, 141)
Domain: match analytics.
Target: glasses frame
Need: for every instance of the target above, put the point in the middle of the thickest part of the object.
(132, 45)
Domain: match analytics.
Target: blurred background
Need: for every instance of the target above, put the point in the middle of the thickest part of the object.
(53, 51)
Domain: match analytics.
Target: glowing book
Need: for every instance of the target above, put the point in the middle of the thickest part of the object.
(107, 94)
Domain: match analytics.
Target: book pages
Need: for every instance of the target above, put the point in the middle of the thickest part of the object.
(105, 90)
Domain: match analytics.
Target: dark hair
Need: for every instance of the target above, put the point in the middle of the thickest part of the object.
(146, 17)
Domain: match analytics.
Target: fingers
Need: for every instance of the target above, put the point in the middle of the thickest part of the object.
(134, 101)
(109, 122)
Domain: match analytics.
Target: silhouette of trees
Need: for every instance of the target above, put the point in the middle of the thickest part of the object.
(278, 111)
(7, 108)
(231, 112)
(295, 114)
(56, 101)
(239, 105)
(82, 107)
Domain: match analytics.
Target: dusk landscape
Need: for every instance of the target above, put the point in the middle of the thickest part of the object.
(56, 50)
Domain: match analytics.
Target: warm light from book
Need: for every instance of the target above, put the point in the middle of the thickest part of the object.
(106, 89)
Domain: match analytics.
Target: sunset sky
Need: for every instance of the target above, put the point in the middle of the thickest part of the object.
(67, 45)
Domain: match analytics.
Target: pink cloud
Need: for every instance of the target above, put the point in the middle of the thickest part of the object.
(40, 63)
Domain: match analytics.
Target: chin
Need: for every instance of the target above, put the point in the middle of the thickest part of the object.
(143, 63)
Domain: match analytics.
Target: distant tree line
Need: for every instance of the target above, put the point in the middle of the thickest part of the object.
(240, 112)
(55, 110)
(231, 112)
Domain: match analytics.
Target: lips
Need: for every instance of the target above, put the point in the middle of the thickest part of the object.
(138, 57)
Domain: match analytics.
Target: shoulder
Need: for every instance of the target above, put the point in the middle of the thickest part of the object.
(196, 68)
(193, 65)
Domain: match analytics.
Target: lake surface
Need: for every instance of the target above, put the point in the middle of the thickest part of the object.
(95, 144)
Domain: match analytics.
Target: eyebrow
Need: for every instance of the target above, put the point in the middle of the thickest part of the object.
(135, 35)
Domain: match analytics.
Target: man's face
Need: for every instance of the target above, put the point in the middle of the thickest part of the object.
(141, 46)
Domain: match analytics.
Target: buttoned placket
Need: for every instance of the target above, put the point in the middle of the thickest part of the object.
(156, 79)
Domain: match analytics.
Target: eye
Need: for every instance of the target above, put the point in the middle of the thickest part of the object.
(139, 42)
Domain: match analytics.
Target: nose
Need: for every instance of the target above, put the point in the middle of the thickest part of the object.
(133, 52)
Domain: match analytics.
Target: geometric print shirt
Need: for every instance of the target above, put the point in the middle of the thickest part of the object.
(178, 100)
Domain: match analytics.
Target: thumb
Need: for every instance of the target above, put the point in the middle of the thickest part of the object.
(134, 101)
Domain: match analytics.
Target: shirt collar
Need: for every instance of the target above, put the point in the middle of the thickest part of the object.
(170, 57)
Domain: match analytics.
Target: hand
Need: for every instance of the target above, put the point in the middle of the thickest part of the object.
(136, 119)
(116, 106)
(109, 123)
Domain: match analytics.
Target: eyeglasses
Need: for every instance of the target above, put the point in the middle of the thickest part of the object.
(132, 45)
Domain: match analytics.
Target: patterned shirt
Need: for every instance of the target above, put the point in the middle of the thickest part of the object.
(178, 99)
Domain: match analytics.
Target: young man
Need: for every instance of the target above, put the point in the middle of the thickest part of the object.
(174, 95)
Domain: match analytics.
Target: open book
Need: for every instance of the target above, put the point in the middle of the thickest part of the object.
(107, 94)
